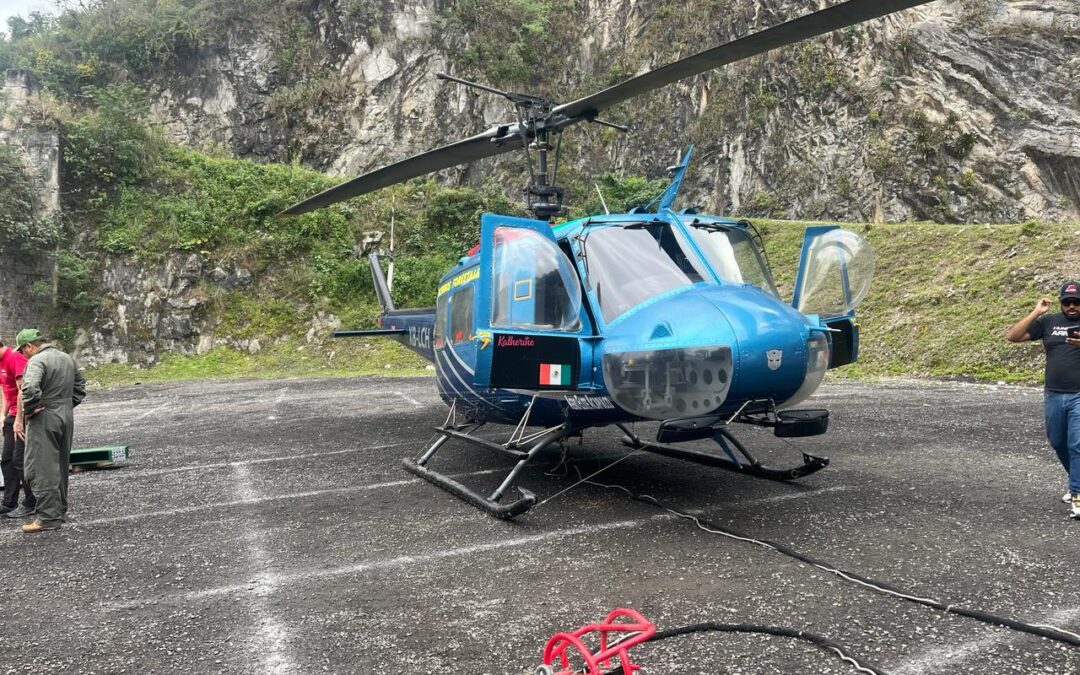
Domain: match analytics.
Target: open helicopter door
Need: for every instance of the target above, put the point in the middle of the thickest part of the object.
(526, 322)
(529, 315)
(835, 271)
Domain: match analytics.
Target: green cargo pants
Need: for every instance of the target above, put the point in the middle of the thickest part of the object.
(48, 458)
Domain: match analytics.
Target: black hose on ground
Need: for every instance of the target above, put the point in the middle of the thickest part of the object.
(1049, 632)
(825, 643)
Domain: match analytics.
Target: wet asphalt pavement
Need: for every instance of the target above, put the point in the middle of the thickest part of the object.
(267, 527)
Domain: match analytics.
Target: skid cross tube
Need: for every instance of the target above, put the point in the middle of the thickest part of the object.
(752, 466)
(489, 504)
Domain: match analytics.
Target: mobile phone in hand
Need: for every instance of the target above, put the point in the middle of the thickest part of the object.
(1074, 332)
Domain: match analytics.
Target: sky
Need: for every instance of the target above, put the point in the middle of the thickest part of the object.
(23, 9)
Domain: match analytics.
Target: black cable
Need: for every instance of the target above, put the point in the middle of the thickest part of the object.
(1049, 632)
(818, 640)
(978, 615)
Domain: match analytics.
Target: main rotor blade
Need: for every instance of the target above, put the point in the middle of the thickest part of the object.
(811, 25)
(472, 148)
(501, 139)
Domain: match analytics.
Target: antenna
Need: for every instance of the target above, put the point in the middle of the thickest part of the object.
(601, 194)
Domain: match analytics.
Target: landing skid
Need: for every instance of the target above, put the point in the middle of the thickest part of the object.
(811, 463)
(520, 445)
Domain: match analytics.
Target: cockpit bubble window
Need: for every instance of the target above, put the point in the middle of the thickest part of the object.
(630, 264)
(534, 284)
(733, 255)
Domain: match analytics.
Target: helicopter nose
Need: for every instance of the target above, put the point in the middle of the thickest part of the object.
(665, 383)
(673, 359)
(772, 343)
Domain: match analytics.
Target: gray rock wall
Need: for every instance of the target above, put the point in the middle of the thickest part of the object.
(18, 305)
(25, 275)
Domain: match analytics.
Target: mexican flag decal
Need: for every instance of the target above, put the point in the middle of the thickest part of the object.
(555, 374)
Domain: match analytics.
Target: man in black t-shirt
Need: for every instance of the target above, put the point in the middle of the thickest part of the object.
(1060, 335)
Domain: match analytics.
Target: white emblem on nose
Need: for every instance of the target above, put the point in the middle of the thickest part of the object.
(774, 356)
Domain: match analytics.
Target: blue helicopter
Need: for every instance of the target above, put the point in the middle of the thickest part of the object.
(662, 315)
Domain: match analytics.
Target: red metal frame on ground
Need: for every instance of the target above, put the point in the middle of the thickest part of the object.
(640, 628)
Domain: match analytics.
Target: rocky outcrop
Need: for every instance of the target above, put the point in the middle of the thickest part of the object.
(171, 307)
(164, 308)
(147, 309)
(961, 110)
(22, 272)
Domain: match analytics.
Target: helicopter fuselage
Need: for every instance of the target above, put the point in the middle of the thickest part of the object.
(617, 318)
(622, 317)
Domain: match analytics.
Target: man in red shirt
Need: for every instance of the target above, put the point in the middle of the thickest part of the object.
(12, 367)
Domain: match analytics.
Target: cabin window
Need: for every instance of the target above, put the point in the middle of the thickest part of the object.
(534, 285)
(461, 315)
(442, 309)
(733, 255)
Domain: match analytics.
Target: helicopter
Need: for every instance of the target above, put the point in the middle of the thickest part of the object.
(657, 314)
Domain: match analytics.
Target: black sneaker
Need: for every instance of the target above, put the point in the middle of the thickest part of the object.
(4, 508)
(20, 512)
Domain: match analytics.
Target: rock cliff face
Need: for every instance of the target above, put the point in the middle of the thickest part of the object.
(960, 110)
(39, 150)
(149, 310)
(165, 308)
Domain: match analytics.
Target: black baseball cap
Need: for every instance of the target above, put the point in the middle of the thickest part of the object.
(1070, 289)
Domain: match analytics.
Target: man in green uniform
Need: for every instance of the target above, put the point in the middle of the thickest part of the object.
(52, 386)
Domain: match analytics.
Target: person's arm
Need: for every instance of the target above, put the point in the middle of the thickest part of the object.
(78, 392)
(3, 404)
(1020, 331)
(31, 387)
(20, 429)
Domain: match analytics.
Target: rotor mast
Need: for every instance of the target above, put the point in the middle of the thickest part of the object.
(536, 125)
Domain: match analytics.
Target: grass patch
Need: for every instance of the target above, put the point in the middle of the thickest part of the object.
(357, 356)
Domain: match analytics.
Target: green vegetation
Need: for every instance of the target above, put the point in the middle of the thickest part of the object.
(20, 227)
(101, 41)
(506, 39)
(108, 146)
(223, 211)
(620, 194)
(288, 359)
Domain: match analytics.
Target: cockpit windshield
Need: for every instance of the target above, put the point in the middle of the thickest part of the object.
(733, 255)
(629, 264)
